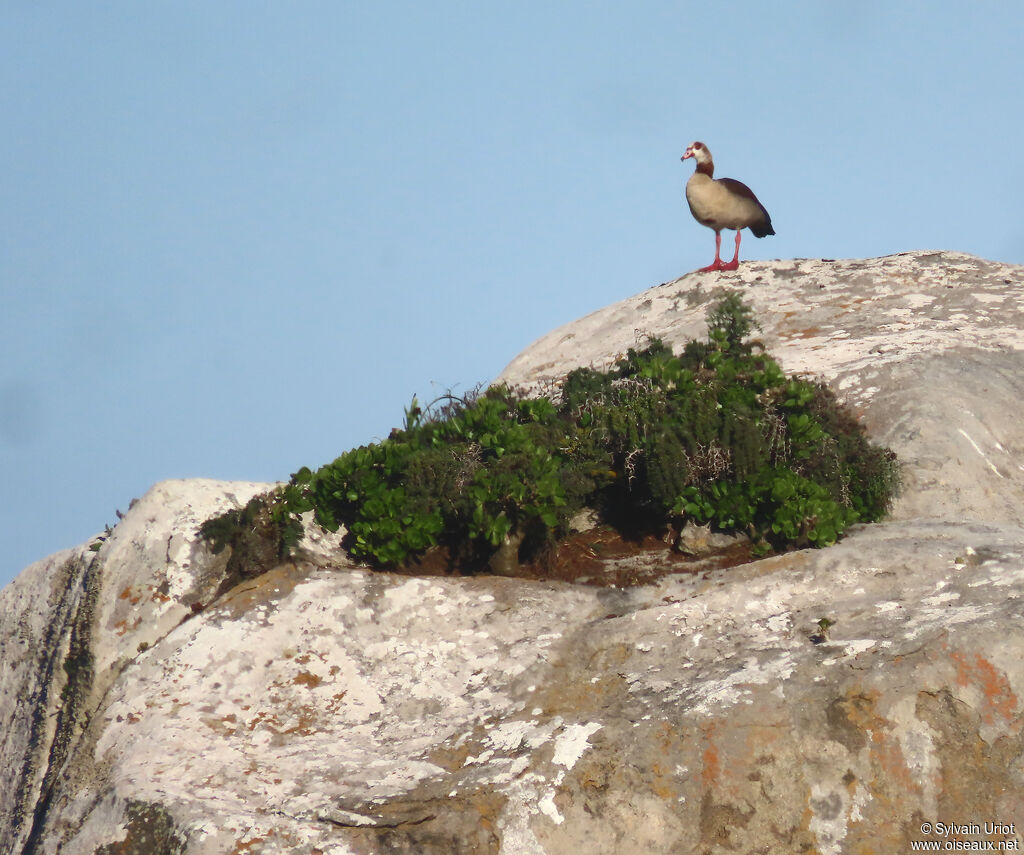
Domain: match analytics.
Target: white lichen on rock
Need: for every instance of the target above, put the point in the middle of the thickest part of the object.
(323, 707)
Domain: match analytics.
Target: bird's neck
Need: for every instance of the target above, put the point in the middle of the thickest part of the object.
(706, 167)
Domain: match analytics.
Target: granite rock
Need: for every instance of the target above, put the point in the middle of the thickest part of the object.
(152, 703)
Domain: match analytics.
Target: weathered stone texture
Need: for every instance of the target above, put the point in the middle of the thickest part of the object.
(322, 708)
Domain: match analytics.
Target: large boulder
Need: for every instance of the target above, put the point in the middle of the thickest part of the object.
(155, 701)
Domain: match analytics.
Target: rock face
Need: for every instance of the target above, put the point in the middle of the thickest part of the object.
(151, 704)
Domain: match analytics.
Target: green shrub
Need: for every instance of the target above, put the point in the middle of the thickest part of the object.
(490, 468)
(264, 531)
(721, 436)
(714, 434)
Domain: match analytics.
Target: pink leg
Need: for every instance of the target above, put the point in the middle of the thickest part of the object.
(732, 265)
(717, 263)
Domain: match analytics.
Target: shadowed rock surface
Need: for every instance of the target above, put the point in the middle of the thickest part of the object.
(150, 707)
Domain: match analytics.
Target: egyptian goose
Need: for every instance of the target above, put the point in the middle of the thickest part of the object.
(723, 203)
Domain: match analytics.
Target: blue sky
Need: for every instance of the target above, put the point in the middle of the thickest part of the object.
(236, 238)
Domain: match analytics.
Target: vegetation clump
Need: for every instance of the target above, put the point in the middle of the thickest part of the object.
(716, 434)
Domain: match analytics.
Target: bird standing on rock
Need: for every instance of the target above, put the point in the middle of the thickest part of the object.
(723, 203)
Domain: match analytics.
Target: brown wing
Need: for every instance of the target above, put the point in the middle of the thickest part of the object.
(740, 189)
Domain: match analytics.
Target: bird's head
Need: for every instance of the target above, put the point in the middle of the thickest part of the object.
(698, 151)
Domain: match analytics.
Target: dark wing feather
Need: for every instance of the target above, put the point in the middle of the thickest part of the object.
(760, 229)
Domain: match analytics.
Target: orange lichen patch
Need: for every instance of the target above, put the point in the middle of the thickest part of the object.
(663, 783)
(729, 756)
(889, 755)
(135, 597)
(668, 738)
(307, 679)
(303, 723)
(710, 761)
(856, 302)
(123, 627)
(862, 714)
(859, 709)
(806, 332)
(224, 725)
(977, 671)
(242, 847)
(130, 595)
(856, 723)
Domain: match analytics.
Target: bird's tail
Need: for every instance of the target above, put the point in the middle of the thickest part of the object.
(762, 229)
